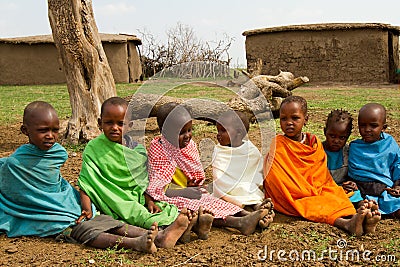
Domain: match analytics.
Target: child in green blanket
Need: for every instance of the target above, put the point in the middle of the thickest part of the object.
(114, 177)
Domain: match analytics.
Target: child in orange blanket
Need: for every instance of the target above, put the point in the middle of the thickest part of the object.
(299, 183)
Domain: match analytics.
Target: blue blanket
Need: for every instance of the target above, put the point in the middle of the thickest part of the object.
(377, 162)
(34, 198)
(338, 167)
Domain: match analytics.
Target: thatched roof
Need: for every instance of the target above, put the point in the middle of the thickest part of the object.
(325, 27)
(39, 39)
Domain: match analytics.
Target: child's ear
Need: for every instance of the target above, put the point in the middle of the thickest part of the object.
(99, 123)
(305, 120)
(24, 130)
(384, 127)
(324, 130)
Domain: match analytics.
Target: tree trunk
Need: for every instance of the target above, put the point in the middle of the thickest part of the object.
(259, 98)
(143, 106)
(88, 74)
(274, 88)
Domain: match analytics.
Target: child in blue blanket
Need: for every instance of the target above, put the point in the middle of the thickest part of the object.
(337, 130)
(374, 161)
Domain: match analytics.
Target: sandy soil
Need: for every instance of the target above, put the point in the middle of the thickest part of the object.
(279, 245)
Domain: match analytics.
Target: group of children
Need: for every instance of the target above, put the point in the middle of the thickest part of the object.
(132, 198)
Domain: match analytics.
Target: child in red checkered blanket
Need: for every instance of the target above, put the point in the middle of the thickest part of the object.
(176, 176)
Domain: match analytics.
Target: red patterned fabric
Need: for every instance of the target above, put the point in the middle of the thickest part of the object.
(164, 158)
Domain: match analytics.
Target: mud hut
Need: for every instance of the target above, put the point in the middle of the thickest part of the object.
(333, 52)
(35, 60)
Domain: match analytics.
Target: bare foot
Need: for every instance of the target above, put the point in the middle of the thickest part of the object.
(193, 218)
(266, 220)
(371, 221)
(204, 224)
(147, 242)
(356, 222)
(362, 203)
(373, 205)
(249, 222)
(266, 204)
(168, 237)
(142, 243)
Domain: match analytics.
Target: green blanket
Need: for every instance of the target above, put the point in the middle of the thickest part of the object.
(115, 178)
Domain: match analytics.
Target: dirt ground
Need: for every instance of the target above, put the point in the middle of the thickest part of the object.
(287, 242)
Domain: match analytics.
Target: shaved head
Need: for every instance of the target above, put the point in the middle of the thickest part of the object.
(41, 124)
(36, 109)
(373, 108)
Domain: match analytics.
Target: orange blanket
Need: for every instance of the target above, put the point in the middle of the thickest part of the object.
(298, 181)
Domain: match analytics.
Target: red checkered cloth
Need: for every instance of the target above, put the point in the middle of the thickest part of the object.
(164, 158)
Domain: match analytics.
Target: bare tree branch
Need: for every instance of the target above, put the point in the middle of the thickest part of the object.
(182, 45)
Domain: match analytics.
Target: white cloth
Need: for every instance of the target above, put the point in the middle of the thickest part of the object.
(237, 173)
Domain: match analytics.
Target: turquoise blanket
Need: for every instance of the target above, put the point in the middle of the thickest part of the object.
(34, 198)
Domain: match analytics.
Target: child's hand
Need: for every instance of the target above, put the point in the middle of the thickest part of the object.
(349, 186)
(394, 191)
(85, 215)
(152, 207)
(188, 192)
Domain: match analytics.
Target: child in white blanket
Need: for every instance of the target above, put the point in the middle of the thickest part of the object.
(237, 164)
